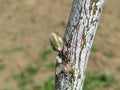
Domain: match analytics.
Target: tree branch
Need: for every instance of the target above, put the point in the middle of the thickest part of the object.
(78, 38)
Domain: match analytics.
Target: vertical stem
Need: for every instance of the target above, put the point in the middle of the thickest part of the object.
(78, 39)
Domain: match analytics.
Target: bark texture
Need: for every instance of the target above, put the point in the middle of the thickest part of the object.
(78, 39)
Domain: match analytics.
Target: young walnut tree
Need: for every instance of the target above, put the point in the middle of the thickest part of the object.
(74, 49)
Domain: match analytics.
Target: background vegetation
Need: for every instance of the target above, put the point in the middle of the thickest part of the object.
(26, 59)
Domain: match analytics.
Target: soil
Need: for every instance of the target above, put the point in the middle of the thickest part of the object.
(27, 24)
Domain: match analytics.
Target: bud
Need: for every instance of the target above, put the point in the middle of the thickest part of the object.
(56, 42)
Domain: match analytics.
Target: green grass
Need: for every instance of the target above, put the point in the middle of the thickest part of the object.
(118, 68)
(27, 71)
(51, 66)
(32, 69)
(94, 48)
(16, 35)
(44, 55)
(97, 80)
(49, 84)
(23, 80)
(93, 81)
(26, 76)
(8, 88)
(2, 65)
(19, 76)
(14, 49)
(110, 54)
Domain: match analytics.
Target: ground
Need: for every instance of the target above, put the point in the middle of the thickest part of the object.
(25, 50)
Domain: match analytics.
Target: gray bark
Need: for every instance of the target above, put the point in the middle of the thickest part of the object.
(77, 42)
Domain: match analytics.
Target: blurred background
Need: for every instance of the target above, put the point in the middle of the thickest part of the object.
(27, 61)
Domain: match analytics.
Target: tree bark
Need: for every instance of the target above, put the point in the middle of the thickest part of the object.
(77, 42)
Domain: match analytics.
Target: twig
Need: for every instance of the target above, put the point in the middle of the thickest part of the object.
(74, 51)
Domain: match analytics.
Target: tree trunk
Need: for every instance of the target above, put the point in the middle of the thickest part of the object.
(78, 38)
